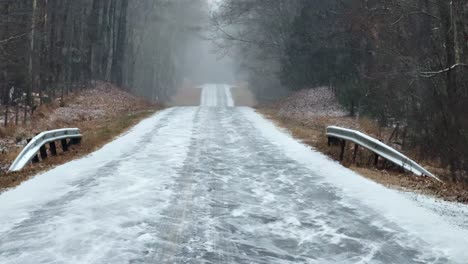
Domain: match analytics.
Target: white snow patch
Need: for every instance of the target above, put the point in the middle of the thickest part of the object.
(452, 212)
(290, 220)
(238, 212)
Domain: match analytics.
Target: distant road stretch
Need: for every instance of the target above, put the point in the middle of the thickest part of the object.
(215, 184)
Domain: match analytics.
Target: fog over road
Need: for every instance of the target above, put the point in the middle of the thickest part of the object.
(215, 184)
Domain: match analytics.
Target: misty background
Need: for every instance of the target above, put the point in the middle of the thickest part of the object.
(170, 47)
(150, 48)
(379, 61)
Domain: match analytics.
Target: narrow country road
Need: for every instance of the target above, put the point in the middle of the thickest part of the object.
(215, 184)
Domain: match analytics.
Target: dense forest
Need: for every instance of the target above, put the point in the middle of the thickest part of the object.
(49, 48)
(397, 61)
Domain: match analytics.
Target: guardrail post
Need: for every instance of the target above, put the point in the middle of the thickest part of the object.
(35, 159)
(343, 145)
(53, 148)
(376, 159)
(356, 147)
(43, 151)
(75, 141)
(64, 145)
(333, 141)
(384, 164)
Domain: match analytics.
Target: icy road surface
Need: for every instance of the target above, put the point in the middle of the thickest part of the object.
(216, 184)
(218, 95)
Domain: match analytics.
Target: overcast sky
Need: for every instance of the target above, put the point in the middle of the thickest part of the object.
(209, 66)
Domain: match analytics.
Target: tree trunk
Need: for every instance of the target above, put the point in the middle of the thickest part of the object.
(31, 67)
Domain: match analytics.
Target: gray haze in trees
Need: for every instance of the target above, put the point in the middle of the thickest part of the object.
(206, 62)
(169, 48)
(148, 47)
(401, 63)
(207, 65)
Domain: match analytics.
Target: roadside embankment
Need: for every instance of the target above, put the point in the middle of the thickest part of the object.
(186, 95)
(101, 113)
(242, 95)
(307, 113)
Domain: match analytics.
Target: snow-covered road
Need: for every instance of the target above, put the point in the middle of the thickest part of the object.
(216, 184)
(216, 95)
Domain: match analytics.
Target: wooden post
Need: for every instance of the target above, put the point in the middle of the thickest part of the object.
(384, 164)
(35, 159)
(376, 160)
(75, 141)
(64, 145)
(43, 151)
(53, 148)
(394, 134)
(356, 147)
(343, 145)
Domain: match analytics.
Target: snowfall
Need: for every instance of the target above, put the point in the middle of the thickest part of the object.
(220, 184)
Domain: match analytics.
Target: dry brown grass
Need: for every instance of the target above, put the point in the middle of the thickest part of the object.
(187, 96)
(312, 132)
(7, 131)
(243, 96)
(101, 113)
(95, 135)
(190, 95)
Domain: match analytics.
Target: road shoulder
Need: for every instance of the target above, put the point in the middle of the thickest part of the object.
(101, 113)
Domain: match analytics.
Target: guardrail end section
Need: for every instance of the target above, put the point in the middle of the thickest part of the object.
(379, 148)
(39, 144)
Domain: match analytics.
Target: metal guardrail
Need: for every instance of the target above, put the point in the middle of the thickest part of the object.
(379, 148)
(38, 142)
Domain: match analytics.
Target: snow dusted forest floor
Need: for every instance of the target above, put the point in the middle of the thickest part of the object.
(309, 103)
(307, 113)
(101, 113)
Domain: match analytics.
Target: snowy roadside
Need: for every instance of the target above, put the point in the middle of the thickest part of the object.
(452, 212)
(101, 113)
(442, 224)
(307, 113)
(313, 109)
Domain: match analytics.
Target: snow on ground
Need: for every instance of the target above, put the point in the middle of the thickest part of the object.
(417, 219)
(98, 209)
(319, 101)
(86, 109)
(216, 185)
(452, 212)
(101, 101)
